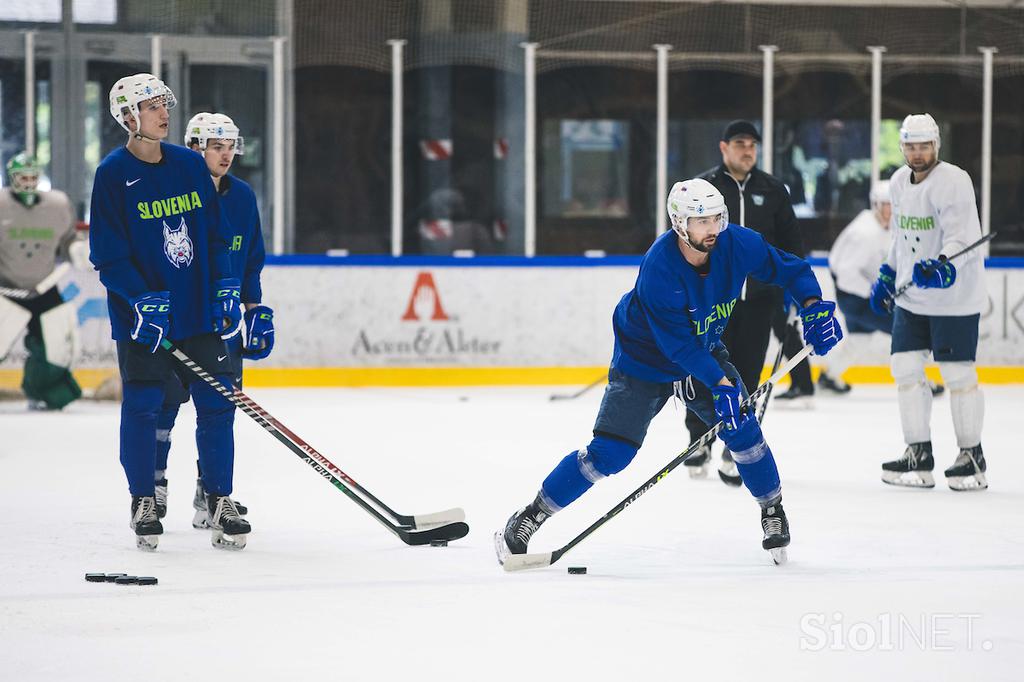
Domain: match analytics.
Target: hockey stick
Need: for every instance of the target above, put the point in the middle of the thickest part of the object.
(790, 327)
(572, 396)
(520, 562)
(414, 530)
(971, 247)
(40, 288)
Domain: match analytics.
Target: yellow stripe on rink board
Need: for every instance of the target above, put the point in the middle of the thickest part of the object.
(283, 377)
(420, 376)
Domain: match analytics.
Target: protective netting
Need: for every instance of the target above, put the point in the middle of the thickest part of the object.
(943, 37)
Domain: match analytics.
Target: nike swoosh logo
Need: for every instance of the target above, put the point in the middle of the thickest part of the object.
(221, 358)
(128, 183)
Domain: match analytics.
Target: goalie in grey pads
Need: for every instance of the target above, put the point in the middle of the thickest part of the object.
(933, 217)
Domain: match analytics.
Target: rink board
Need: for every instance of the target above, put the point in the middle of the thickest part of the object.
(423, 321)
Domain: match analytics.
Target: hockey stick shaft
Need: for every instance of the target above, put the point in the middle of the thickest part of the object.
(572, 396)
(300, 448)
(517, 562)
(971, 247)
(790, 327)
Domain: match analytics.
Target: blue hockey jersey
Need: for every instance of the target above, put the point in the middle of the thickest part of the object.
(157, 227)
(244, 235)
(667, 325)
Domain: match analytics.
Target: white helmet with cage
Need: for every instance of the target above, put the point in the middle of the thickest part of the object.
(880, 193)
(695, 198)
(128, 92)
(920, 128)
(205, 126)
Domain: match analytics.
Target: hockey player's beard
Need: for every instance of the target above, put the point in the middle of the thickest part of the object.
(923, 166)
(703, 247)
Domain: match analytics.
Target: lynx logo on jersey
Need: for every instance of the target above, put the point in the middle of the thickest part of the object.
(177, 245)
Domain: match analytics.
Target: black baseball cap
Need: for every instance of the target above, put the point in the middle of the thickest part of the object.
(740, 127)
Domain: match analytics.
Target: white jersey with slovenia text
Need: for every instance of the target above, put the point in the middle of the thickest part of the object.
(937, 216)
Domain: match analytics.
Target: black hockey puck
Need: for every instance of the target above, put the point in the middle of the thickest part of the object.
(126, 580)
(96, 577)
(438, 543)
(111, 577)
(577, 570)
(147, 580)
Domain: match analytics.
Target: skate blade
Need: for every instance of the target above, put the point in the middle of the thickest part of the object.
(968, 483)
(500, 548)
(779, 555)
(698, 471)
(233, 543)
(909, 479)
(199, 520)
(730, 478)
(147, 543)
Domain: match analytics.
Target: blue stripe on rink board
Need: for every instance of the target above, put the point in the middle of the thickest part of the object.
(384, 261)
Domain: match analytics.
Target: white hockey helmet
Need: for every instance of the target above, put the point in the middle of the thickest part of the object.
(128, 92)
(920, 128)
(205, 126)
(695, 198)
(880, 193)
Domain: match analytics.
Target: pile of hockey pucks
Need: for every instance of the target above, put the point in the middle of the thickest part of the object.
(120, 579)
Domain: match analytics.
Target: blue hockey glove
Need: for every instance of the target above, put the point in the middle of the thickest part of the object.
(728, 400)
(152, 318)
(259, 341)
(821, 328)
(934, 274)
(882, 290)
(226, 307)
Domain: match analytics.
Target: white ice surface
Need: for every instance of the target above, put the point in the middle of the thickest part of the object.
(678, 586)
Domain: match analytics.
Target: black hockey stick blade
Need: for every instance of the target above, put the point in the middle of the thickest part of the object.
(451, 531)
(522, 562)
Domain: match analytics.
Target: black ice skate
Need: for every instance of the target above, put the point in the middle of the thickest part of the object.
(913, 469)
(728, 472)
(968, 471)
(518, 531)
(796, 398)
(827, 383)
(776, 532)
(697, 464)
(199, 519)
(161, 497)
(145, 522)
(936, 388)
(230, 530)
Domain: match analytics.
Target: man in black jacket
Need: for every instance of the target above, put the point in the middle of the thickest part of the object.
(761, 202)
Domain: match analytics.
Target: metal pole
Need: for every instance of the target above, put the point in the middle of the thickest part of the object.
(768, 106)
(530, 152)
(155, 57)
(30, 93)
(277, 153)
(986, 142)
(397, 169)
(876, 109)
(661, 172)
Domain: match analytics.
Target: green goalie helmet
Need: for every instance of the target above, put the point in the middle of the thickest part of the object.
(23, 176)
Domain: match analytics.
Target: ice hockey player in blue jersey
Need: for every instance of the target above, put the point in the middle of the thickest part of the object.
(668, 329)
(217, 138)
(156, 240)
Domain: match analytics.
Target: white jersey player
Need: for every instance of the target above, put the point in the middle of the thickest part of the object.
(934, 216)
(858, 252)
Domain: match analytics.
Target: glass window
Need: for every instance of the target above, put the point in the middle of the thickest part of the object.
(12, 114)
(587, 173)
(94, 11)
(36, 11)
